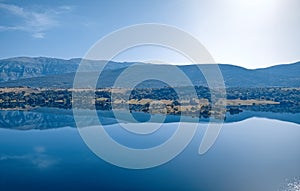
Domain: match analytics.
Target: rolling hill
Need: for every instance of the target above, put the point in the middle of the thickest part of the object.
(59, 73)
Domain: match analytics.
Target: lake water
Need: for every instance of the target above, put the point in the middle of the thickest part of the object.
(255, 154)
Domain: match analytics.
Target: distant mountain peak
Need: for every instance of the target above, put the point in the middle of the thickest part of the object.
(44, 71)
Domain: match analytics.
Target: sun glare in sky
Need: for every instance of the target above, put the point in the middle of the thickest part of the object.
(248, 33)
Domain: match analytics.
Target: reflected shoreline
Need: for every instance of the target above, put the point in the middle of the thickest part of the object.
(48, 118)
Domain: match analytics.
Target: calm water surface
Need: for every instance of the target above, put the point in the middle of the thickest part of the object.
(256, 154)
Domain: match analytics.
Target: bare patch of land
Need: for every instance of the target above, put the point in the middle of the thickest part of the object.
(160, 100)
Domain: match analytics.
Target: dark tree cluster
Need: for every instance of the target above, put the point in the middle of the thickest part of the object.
(288, 98)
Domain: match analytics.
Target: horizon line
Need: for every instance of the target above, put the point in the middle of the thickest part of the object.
(153, 62)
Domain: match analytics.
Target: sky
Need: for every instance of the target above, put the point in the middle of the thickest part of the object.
(247, 33)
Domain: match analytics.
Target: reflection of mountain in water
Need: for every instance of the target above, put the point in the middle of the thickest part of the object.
(288, 117)
(34, 120)
(47, 118)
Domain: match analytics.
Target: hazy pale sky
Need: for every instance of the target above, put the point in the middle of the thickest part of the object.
(248, 33)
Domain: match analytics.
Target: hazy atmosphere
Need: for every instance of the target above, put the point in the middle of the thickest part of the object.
(196, 95)
(252, 34)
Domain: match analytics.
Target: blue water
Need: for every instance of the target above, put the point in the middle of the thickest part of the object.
(256, 154)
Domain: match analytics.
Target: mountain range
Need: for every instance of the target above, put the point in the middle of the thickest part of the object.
(59, 73)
